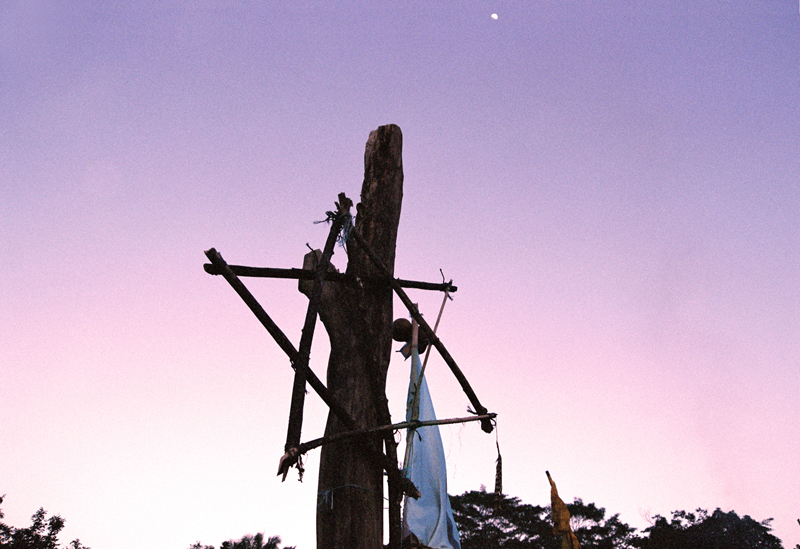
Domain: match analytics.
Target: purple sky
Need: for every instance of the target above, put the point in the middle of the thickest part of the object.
(614, 188)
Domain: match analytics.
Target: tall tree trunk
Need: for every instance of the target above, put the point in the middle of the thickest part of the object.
(358, 320)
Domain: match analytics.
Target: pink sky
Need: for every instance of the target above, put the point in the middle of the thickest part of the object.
(614, 188)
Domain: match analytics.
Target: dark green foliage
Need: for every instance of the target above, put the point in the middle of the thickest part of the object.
(516, 525)
(247, 542)
(593, 530)
(41, 534)
(520, 525)
(703, 531)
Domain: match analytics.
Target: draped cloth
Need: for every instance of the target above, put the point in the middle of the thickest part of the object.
(429, 518)
(560, 515)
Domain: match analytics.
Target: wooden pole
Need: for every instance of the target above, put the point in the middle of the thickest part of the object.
(358, 319)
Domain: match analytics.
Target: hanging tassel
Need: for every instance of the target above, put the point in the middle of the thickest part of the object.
(498, 482)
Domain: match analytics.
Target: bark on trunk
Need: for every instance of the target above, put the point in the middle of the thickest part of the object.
(358, 320)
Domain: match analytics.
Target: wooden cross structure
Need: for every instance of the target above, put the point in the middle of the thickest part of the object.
(342, 229)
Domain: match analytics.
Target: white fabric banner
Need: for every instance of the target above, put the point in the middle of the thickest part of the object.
(429, 518)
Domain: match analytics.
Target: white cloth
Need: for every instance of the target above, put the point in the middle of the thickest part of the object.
(430, 517)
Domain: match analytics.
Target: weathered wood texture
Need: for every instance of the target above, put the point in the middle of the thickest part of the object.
(358, 321)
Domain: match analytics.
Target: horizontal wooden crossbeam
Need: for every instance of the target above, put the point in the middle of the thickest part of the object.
(338, 437)
(303, 274)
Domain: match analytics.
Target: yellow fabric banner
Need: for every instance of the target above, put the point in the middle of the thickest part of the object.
(560, 516)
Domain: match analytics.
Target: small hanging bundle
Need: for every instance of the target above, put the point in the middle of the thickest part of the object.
(498, 481)
(342, 214)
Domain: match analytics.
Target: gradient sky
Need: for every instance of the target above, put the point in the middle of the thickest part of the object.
(613, 186)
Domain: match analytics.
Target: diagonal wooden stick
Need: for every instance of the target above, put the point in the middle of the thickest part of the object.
(486, 424)
(415, 409)
(280, 338)
(301, 364)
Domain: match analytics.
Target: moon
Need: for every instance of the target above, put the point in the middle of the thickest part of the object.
(494, 16)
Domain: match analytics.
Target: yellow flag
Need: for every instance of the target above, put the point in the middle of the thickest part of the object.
(560, 516)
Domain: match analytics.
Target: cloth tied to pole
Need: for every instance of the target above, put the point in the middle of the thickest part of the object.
(429, 518)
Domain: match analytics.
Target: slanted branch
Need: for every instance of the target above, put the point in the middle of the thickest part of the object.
(377, 457)
(486, 424)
